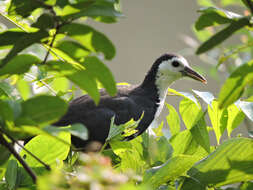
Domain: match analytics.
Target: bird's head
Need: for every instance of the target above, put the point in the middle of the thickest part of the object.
(169, 68)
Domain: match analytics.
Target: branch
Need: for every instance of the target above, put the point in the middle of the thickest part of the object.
(35, 157)
(18, 157)
(250, 4)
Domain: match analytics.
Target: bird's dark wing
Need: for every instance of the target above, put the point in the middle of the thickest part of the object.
(97, 118)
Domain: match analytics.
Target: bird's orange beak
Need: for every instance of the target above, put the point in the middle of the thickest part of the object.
(193, 74)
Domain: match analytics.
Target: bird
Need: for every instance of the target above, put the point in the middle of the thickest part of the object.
(130, 102)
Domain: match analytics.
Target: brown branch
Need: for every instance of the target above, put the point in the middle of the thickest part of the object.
(250, 4)
(18, 157)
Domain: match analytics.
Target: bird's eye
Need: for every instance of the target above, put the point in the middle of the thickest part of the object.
(175, 63)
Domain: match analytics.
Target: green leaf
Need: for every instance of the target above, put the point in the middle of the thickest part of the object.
(76, 73)
(11, 174)
(233, 87)
(24, 7)
(45, 21)
(235, 117)
(101, 72)
(186, 95)
(6, 90)
(223, 35)
(183, 143)
(90, 39)
(10, 36)
(212, 16)
(23, 42)
(170, 170)
(19, 64)
(5, 154)
(218, 119)
(73, 49)
(200, 133)
(190, 112)
(43, 109)
(48, 149)
(173, 120)
(23, 88)
(231, 162)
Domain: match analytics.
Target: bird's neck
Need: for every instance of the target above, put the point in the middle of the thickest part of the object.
(156, 86)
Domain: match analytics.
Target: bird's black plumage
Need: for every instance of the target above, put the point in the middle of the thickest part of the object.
(129, 102)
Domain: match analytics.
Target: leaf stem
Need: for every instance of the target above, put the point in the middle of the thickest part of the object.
(18, 157)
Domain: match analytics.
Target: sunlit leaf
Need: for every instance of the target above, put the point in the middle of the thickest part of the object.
(235, 117)
(48, 149)
(173, 120)
(230, 163)
(218, 119)
(170, 170)
(190, 112)
(205, 96)
(233, 87)
(247, 108)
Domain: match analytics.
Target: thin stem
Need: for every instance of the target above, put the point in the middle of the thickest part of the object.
(35, 157)
(250, 4)
(103, 147)
(18, 157)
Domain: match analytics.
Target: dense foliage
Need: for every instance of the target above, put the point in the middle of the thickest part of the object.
(49, 54)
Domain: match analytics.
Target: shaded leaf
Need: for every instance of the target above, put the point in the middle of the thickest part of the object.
(100, 71)
(11, 174)
(222, 35)
(90, 39)
(42, 109)
(5, 154)
(10, 36)
(23, 42)
(233, 87)
(218, 119)
(19, 64)
(45, 21)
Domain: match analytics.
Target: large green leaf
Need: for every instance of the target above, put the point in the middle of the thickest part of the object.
(76, 73)
(47, 149)
(19, 64)
(190, 112)
(231, 162)
(173, 120)
(170, 170)
(42, 109)
(212, 16)
(10, 36)
(90, 39)
(218, 119)
(101, 72)
(233, 87)
(223, 35)
(44, 21)
(23, 42)
(235, 117)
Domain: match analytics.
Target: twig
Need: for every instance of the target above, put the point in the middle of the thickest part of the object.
(18, 157)
(35, 157)
(250, 4)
